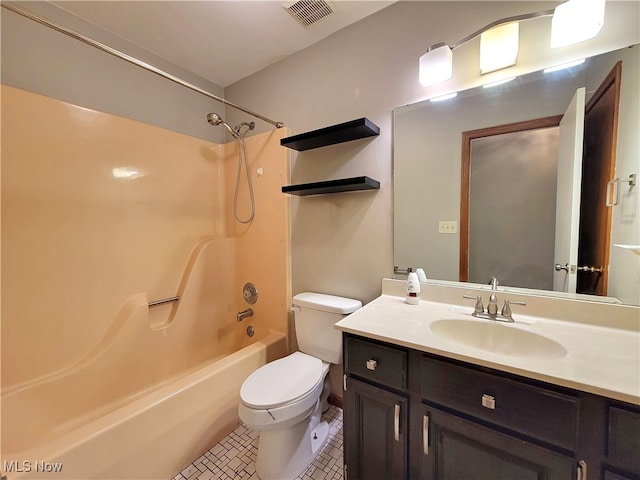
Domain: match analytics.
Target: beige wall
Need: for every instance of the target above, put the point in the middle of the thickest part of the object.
(41, 60)
(79, 241)
(343, 244)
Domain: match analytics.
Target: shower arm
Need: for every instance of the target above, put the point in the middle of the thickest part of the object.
(128, 58)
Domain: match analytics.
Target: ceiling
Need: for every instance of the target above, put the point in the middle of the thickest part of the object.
(221, 41)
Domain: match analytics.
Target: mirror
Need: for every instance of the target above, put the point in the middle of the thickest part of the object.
(428, 177)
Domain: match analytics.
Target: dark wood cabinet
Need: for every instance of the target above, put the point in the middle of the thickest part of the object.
(525, 409)
(460, 421)
(378, 410)
(614, 476)
(377, 445)
(623, 441)
(459, 449)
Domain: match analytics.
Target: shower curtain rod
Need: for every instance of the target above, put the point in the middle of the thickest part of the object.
(130, 59)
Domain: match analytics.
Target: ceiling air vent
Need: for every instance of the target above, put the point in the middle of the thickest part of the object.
(309, 12)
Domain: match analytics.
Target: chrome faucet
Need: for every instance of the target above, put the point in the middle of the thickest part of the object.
(491, 313)
(244, 314)
(494, 283)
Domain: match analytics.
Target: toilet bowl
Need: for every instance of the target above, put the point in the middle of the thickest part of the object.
(282, 392)
(284, 399)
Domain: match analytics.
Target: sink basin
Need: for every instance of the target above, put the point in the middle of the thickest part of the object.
(498, 337)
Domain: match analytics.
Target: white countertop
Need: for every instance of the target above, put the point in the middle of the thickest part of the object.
(600, 360)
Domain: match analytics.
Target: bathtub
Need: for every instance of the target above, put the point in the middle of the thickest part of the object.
(154, 436)
(159, 388)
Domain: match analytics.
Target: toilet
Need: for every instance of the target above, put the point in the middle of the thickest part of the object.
(284, 399)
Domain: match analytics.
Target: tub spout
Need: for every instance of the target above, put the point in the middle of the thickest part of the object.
(244, 314)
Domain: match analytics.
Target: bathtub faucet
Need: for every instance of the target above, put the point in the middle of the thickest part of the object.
(244, 314)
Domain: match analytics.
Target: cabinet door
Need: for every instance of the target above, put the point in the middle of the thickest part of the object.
(624, 439)
(615, 476)
(456, 449)
(375, 431)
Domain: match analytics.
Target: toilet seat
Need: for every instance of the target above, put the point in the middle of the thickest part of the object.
(282, 381)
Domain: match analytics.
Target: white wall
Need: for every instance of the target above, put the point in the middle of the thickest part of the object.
(41, 60)
(343, 244)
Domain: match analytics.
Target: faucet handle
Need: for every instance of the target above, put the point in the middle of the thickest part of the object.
(479, 307)
(506, 308)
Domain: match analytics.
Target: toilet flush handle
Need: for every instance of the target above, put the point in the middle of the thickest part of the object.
(295, 309)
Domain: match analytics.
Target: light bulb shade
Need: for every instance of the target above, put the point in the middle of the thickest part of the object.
(499, 47)
(575, 21)
(436, 65)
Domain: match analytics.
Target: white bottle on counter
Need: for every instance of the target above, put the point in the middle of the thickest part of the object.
(413, 289)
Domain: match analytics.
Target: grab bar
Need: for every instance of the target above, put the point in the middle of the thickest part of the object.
(163, 301)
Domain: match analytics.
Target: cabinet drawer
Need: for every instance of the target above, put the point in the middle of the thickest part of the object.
(624, 439)
(536, 412)
(379, 363)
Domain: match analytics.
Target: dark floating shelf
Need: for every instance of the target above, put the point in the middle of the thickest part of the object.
(333, 186)
(343, 132)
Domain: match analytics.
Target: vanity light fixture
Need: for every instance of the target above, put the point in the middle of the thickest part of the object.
(436, 65)
(562, 66)
(585, 18)
(499, 47)
(443, 98)
(575, 21)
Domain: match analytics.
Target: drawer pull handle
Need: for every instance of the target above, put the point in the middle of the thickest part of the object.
(582, 470)
(396, 422)
(425, 434)
(488, 402)
(372, 364)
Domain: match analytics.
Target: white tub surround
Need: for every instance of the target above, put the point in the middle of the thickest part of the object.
(602, 341)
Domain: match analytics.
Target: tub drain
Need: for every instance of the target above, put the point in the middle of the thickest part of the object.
(250, 331)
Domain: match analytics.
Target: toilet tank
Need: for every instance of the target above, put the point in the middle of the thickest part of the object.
(315, 317)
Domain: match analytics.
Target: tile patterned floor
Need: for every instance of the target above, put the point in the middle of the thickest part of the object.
(234, 457)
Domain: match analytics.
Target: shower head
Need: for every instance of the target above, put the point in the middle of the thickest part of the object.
(215, 119)
(249, 125)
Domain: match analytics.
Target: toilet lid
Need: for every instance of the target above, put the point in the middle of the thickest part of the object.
(281, 381)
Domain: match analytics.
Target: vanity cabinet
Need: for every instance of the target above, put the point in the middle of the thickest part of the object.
(455, 448)
(477, 425)
(623, 453)
(375, 396)
(378, 444)
(414, 415)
